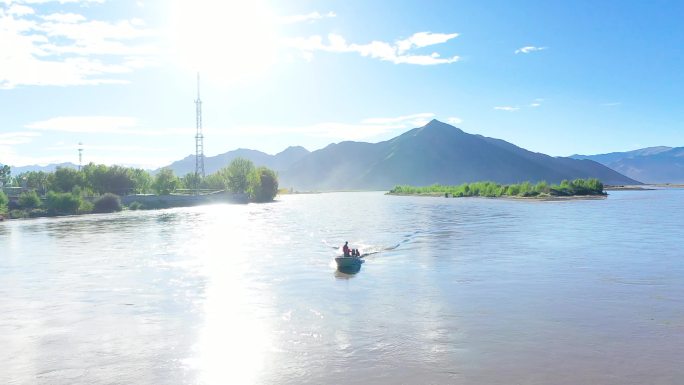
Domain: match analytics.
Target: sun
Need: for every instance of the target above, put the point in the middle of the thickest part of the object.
(228, 40)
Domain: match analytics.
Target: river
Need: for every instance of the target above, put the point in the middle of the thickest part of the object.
(460, 291)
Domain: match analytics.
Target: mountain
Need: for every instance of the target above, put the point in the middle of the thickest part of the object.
(434, 153)
(278, 162)
(49, 168)
(650, 165)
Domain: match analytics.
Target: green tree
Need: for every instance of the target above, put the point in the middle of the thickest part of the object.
(142, 181)
(191, 180)
(5, 175)
(165, 182)
(215, 181)
(35, 180)
(3, 202)
(262, 185)
(65, 180)
(237, 174)
(109, 179)
(29, 200)
(62, 203)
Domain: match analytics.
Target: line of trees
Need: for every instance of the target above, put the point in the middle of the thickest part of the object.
(575, 187)
(63, 191)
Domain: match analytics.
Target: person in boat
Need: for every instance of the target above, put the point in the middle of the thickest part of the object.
(345, 249)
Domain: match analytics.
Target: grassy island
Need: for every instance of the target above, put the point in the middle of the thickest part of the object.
(577, 187)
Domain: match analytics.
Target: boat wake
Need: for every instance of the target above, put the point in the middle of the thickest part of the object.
(370, 249)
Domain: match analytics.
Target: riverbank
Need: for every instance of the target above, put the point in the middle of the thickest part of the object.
(628, 188)
(645, 187)
(89, 205)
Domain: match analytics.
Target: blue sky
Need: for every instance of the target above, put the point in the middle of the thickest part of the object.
(119, 76)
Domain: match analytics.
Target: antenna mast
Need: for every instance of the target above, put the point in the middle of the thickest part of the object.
(199, 140)
(80, 155)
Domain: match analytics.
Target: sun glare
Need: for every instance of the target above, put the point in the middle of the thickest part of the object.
(228, 40)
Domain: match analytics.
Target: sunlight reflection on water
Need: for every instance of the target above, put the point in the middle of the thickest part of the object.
(465, 291)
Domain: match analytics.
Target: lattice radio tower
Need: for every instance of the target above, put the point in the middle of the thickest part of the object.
(199, 140)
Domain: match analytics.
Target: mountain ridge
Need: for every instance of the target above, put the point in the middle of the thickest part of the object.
(660, 164)
(435, 153)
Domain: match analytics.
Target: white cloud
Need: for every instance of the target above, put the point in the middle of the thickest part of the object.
(66, 18)
(86, 124)
(454, 120)
(507, 108)
(53, 1)
(529, 49)
(536, 102)
(423, 39)
(61, 49)
(123, 125)
(14, 138)
(307, 17)
(19, 10)
(396, 52)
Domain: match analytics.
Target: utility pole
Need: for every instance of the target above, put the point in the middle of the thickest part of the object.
(199, 140)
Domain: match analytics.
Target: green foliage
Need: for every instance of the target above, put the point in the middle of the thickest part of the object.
(237, 175)
(3, 202)
(109, 179)
(263, 185)
(215, 181)
(5, 175)
(62, 203)
(65, 180)
(142, 181)
(165, 182)
(35, 180)
(107, 203)
(135, 205)
(191, 181)
(489, 189)
(29, 200)
(85, 207)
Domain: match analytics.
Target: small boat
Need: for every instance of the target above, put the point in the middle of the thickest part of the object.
(349, 261)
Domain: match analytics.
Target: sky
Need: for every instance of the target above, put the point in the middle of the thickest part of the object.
(120, 76)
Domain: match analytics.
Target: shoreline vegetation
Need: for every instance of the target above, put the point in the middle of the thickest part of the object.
(104, 189)
(579, 188)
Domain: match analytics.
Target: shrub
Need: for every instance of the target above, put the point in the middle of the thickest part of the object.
(29, 200)
(18, 214)
(3, 202)
(62, 203)
(489, 189)
(263, 185)
(136, 206)
(85, 207)
(107, 203)
(165, 182)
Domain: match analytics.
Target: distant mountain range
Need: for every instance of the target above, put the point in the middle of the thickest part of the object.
(278, 162)
(49, 168)
(649, 165)
(434, 153)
